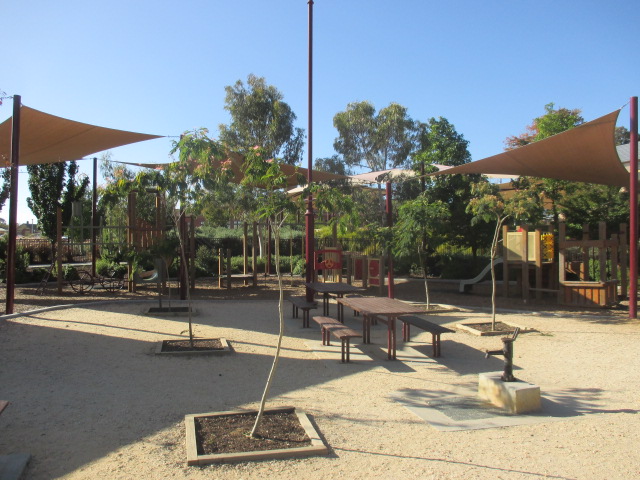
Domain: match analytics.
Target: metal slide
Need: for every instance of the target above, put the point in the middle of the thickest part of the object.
(465, 284)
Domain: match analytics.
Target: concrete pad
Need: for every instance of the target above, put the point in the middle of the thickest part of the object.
(462, 409)
(515, 397)
(12, 466)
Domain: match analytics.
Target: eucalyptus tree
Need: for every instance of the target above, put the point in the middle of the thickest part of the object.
(377, 141)
(260, 116)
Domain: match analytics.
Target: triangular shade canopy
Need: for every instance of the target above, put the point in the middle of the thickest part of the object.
(46, 138)
(583, 154)
(295, 175)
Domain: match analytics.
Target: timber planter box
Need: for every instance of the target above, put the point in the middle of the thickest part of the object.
(306, 440)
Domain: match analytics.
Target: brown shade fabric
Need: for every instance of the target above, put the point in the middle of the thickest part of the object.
(583, 154)
(46, 138)
(295, 175)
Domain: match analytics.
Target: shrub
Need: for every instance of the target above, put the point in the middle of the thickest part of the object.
(206, 262)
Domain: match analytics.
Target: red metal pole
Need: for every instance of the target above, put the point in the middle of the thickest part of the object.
(94, 217)
(633, 210)
(13, 205)
(309, 220)
(391, 289)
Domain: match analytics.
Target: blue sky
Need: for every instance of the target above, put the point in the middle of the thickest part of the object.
(161, 67)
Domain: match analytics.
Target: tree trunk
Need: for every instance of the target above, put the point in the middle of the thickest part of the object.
(276, 358)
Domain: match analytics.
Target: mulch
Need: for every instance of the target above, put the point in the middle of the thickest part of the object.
(230, 433)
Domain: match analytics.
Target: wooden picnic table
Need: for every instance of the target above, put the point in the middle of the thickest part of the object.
(327, 288)
(378, 307)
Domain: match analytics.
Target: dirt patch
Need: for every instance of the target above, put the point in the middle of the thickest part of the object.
(230, 433)
(185, 345)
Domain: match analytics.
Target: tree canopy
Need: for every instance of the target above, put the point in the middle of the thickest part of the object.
(260, 117)
(51, 186)
(379, 140)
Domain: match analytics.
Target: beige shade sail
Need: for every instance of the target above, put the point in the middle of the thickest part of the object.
(45, 138)
(295, 175)
(586, 153)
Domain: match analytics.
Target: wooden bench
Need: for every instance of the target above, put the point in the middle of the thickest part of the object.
(434, 329)
(330, 326)
(300, 303)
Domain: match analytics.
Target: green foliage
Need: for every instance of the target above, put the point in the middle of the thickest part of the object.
(51, 186)
(382, 140)
(108, 268)
(259, 116)
(440, 143)
(590, 204)
(417, 226)
(206, 261)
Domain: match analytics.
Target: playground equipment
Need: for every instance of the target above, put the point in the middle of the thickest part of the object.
(594, 287)
(465, 285)
(594, 264)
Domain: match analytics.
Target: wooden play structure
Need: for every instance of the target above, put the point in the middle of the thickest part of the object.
(600, 266)
(530, 256)
(587, 272)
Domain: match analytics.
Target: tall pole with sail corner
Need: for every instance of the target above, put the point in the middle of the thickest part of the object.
(13, 205)
(633, 209)
(309, 220)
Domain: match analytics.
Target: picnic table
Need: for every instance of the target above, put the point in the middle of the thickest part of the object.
(379, 307)
(328, 288)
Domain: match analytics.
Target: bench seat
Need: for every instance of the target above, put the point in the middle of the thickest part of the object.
(419, 322)
(300, 303)
(330, 326)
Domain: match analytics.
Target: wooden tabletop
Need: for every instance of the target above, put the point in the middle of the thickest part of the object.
(330, 287)
(380, 306)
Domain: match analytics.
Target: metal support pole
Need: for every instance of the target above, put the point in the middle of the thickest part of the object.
(633, 210)
(390, 284)
(309, 220)
(94, 218)
(13, 205)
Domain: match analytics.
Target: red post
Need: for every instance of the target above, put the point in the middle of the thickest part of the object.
(309, 220)
(389, 254)
(13, 205)
(633, 210)
(94, 217)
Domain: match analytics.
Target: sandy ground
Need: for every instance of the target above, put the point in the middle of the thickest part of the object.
(91, 400)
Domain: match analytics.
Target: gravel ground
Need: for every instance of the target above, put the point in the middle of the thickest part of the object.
(90, 400)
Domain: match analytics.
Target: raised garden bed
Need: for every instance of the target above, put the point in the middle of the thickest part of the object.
(170, 311)
(223, 436)
(485, 329)
(201, 346)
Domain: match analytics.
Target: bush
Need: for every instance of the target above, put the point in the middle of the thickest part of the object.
(206, 262)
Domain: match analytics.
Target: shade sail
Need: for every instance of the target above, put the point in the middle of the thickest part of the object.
(295, 175)
(45, 138)
(586, 153)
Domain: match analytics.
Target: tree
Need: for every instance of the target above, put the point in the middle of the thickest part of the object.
(622, 135)
(440, 143)
(553, 122)
(381, 140)
(416, 227)
(486, 205)
(333, 164)
(54, 185)
(259, 116)
(275, 206)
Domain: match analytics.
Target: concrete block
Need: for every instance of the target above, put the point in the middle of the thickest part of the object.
(515, 397)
